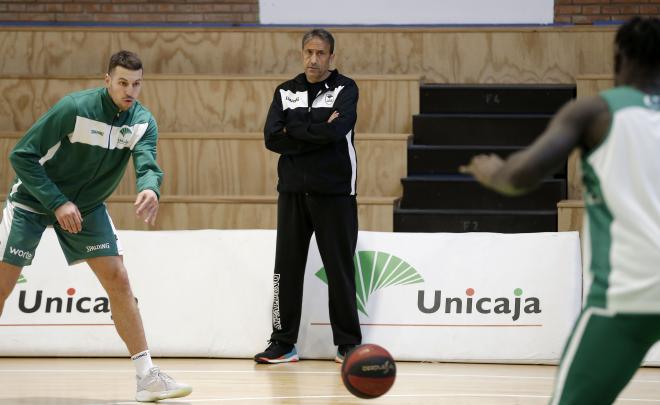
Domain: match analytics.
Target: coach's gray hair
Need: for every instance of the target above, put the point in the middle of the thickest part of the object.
(323, 35)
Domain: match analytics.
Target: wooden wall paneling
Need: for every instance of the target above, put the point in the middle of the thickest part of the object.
(55, 52)
(270, 52)
(387, 106)
(591, 85)
(574, 176)
(224, 105)
(595, 52)
(87, 51)
(212, 103)
(376, 214)
(570, 214)
(219, 167)
(192, 213)
(459, 55)
(212, 166)
(514, 57)
(382, 163)
(244, 166)
(256, 212)
(23, 101)
(7, 174)
(216, 52)
(377, 52)
(245, 212)
(239, 164)
(587, 86)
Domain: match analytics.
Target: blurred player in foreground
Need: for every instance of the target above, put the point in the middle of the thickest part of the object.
(618, 133)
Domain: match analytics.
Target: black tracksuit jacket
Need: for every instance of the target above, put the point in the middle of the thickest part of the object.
(315, 156)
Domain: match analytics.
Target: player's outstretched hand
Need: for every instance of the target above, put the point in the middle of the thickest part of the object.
(146, 206)
(69, 217)
(483, 167)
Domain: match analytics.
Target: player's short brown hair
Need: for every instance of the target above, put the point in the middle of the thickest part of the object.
(125, 59)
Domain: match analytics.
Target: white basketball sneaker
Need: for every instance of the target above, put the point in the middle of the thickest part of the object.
(157, 385)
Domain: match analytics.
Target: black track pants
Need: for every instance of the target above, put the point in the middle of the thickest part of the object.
(334, 219)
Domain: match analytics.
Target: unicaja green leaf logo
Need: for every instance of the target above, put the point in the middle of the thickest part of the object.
(21, 280)
(125, 131)
(377, 270)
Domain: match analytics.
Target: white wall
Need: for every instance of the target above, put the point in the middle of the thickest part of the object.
(398, 12)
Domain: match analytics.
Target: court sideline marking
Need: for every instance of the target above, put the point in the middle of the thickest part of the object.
(461, 395)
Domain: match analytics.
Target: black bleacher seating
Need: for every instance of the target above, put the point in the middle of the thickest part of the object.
(457, 122)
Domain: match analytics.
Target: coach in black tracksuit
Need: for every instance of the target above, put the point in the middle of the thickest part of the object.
(311, 124)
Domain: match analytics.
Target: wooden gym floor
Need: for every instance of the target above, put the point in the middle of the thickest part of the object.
(64, 381)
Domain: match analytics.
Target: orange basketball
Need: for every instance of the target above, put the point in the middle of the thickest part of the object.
(368, 371)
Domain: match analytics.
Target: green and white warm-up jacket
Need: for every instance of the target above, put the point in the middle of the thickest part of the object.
(78, 151)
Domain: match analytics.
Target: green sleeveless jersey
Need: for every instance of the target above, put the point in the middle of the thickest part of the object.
(78, 151)
(622, 200)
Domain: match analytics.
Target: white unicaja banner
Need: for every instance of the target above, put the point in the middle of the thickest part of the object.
(470, 296)
(200, 293)
(396, 12)
(473, 297)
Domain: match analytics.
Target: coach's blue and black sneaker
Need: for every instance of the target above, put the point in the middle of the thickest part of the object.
(277, 352)
(342, 351)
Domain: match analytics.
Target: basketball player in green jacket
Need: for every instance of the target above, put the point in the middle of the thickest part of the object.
(67, 164)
